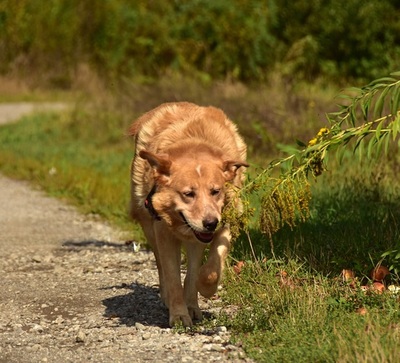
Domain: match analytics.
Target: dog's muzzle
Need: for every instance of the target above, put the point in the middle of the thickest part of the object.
(207, 236)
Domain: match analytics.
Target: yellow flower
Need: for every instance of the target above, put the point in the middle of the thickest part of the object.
(312, 142)
(323, 131)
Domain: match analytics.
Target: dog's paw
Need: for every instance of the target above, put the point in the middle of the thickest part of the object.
(207, 282)
(195, 313)
(178, 319)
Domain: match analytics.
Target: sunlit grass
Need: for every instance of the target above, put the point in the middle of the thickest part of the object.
(286, 313)
(86, 169)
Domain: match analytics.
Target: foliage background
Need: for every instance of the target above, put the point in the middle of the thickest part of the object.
(238, 39)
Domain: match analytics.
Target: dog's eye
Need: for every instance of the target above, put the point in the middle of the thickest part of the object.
(189, 194)
(215, 192)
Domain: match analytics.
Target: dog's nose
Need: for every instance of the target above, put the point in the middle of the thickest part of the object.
(210, 224)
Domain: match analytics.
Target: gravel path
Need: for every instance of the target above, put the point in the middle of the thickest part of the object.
(11, 112)
(73, 291)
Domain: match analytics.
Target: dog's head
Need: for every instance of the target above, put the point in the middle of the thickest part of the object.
(190, 190)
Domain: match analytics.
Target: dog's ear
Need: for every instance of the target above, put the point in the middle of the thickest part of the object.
(230, 168)
(160, 163)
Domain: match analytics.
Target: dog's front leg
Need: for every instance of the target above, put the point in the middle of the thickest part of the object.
(194, 252)
(169, 251)
(211, 272)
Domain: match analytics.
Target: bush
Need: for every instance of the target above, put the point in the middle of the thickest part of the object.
(237, 39)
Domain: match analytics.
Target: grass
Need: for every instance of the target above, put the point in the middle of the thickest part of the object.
(286, 304)
(46, 149)
(287, 313)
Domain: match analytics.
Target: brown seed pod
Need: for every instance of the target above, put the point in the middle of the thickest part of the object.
(379, 273)
(378, 287)
(362, 311)
(238, 267)
(348, 275)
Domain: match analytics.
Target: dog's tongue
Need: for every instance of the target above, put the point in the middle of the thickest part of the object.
(205, 237)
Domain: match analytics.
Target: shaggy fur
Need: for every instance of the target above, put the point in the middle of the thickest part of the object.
(185, 156)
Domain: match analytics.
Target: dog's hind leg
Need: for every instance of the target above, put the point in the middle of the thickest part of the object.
(194, 256)
(210, 273)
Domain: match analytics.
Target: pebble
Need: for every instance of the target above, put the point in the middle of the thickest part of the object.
(37, 258)
(37, 328)
(221, 329)
(80, 337)
(146, 336)
(140, 326)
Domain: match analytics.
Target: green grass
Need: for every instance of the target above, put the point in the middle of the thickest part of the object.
(307, 317)
(287, 304)
(355, 209)
(87, 166)
(311, 315)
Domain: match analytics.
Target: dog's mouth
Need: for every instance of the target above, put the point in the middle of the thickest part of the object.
(205, 237)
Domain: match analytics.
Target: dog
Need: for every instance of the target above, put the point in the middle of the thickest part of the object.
(185, 158)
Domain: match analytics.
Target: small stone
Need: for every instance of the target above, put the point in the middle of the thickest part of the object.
(140, 326)
(36, 347)
(217, 339)
(59, 320)
(217, 348)
(221, 329)
(37, 259)
(38, 328)
(213, 347)
(231, 347)
(80, 337)
(48, 258)
(146, 336)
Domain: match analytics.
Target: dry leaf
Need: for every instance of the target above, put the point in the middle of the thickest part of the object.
(238, 267)
(379, 273)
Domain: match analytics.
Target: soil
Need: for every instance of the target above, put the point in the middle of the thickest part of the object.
(72, 289)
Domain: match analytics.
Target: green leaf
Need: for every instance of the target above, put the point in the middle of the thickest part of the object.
(395, 127)
(353, 116)
(300, 143)
(378, 130)
(387, 253)
(378, 83)
(352, 89)
(395, 100)
(359, 141)
(382, 140)
(365, 109)
(370, 148)
(380, 103)
(387, 143)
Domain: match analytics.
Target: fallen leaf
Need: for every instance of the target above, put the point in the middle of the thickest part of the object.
(238, 267)
(378, 287)
(362, 311)
(379, 273)
(348, 275)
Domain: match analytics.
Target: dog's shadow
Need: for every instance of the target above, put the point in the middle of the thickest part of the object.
(141, 305)
(138, 303)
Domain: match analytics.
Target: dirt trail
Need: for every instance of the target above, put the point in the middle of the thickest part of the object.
(73, 291)
(12, 112)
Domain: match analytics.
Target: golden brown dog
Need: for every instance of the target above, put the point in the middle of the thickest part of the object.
(185, 156)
